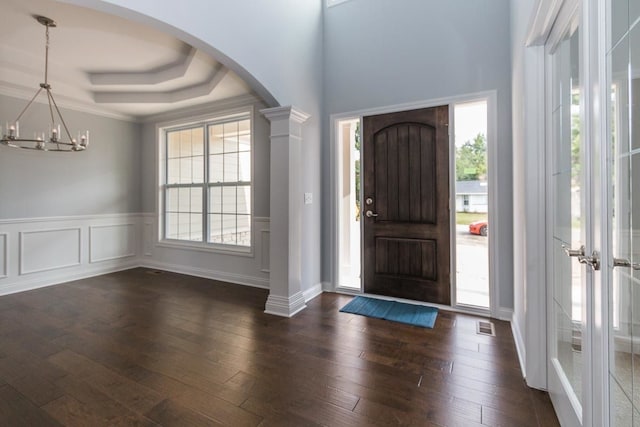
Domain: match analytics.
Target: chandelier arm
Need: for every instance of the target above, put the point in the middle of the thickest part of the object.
(64, 124)
(28, 105)
(49, 99)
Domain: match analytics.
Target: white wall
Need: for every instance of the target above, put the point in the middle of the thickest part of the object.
(529, 319)
(382, 52)
(103, 179)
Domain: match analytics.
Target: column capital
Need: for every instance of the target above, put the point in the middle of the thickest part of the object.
(285, 113)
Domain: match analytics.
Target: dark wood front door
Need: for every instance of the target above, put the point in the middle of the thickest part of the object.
(406, 205)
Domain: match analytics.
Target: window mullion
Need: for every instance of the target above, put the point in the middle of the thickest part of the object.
(205, 191)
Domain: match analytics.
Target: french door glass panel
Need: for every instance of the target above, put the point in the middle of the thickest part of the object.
(624, 295)
(568, 229)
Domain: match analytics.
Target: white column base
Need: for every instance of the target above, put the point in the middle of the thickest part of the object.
(285, 306)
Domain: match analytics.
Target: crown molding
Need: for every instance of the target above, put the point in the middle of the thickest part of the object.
(204, 109)
(164, 73)
(26, 93)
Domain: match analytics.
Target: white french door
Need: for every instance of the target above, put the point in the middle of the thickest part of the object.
(572, 260)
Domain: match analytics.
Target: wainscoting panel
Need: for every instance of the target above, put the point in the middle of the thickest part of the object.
(44, 250)
(108, 242)
(37, 252)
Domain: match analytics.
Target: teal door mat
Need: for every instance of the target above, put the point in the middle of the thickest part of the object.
(411, 314)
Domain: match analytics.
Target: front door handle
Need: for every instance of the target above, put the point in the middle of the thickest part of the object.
(622, 262)
(573, 252)
(370, 214)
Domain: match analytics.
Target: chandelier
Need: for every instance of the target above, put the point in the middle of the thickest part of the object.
(51, 139)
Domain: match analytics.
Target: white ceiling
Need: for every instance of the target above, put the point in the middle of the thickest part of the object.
(106, 64)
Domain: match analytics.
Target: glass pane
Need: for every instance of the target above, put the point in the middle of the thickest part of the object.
(245, 167)
(633, 206)
(173, 145)
(216, 168)
(621, 409)
(184, 226)
(173, 171)
(215, 200)
(620, 96)
(244, 199)
(244, 135)
(568, 210)
(184, 199)
(230, 137)
(229, 229)
(216, 144)
(197, 141)
(229, 200)
(215, 228)
(231, 167)
(185, 170)
(619, 22)
(172, 199)
(185, 143)
(197, 164)
(621, 331)
(634, 40)
(243, 235)
(196, 227)
(172, 226)
(196, 200)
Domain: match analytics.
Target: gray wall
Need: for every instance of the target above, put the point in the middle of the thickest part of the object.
(383, 52)
(104, 179)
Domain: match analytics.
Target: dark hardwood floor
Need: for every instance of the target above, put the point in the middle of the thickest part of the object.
(137, 348)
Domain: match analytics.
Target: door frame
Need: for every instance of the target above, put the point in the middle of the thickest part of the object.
(495, 310)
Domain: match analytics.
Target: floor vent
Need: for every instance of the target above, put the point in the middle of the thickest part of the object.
(486, 328)
(155, 272)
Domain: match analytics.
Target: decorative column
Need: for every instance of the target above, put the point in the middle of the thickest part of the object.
(286, 203)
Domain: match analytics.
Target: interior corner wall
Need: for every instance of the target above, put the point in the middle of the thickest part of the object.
(381, 53)
(529, 317)
(101, 180)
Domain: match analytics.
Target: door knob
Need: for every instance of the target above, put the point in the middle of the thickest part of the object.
(593, 260)
(573, 252)
(370, 214)
(622, 262)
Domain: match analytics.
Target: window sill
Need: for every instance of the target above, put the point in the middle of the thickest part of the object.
(207, 247)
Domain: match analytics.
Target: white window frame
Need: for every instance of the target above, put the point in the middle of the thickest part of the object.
(161, 165)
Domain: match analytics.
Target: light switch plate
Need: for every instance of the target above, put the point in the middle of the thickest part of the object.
(308, 198)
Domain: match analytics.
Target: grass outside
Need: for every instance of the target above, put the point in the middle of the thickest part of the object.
(466, 218)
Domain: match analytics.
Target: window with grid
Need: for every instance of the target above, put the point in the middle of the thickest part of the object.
(208, 182)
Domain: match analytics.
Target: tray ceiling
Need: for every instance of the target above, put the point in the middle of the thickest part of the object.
(105, 63)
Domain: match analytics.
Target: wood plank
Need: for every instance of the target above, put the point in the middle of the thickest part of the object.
(17, 410)
(200, 352)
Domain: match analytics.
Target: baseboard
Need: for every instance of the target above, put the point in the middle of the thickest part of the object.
(312, 292)
(52, 279)
(520, 348)
(238, 279)
(285, 306)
